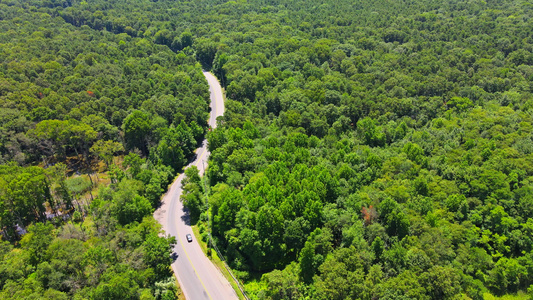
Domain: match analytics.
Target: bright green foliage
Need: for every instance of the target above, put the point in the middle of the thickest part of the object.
(68, 262)
(116, 286)
(177, 145)
(193, 196)
(64, 135)
(369, 149)
(307, 262)
(136, 130)
(157, 255)
(37, 240)
(24, 193)
(65, 88)
(106, 150)
(69, 96)
(284, 284)
(389, 133)
(393, 218)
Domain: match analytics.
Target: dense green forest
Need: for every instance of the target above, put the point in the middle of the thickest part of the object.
(93, 127)
(369, 149)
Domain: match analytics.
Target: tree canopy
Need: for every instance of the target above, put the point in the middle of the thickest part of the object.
(369, 149)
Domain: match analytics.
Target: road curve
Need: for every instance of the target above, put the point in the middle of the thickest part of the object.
(197, 276)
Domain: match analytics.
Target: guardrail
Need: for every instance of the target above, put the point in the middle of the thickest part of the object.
(228, 268)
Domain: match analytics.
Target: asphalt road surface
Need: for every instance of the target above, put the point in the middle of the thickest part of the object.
(197, 276)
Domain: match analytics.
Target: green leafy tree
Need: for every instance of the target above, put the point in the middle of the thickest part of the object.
(116, 286)
(37, 240)
(284, 284)
(106, 150)
(136, 129)
(157, 252)
(307, 262)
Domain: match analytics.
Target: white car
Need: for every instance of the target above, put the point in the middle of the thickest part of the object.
(189, 237)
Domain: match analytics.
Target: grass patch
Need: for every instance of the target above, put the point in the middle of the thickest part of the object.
(518, 296)
(78, 184)
(88, 224)
(216, 260)
(255, 288)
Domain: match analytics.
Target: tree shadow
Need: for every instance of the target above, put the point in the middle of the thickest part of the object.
(186, 218)
(174, 256)
(189, 219)
(189, 161)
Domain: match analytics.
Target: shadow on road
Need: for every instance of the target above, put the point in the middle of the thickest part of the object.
(186, 218)
(174, 256)
(190, 160)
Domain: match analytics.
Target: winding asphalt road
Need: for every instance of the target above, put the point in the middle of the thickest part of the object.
(197, 276)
